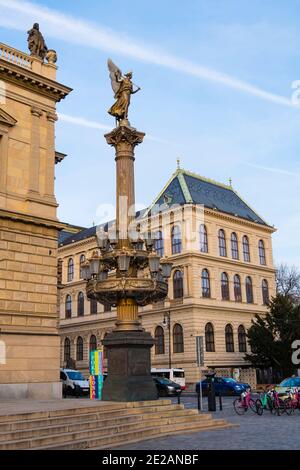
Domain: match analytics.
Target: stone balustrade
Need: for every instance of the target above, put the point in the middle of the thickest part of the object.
(14, 56)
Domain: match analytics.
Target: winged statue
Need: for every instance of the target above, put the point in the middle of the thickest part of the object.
(122, 86)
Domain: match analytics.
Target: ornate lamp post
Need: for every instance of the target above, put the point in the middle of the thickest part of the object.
(167, 323)
(126, 273)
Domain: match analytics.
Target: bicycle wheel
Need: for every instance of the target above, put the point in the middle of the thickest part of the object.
(239, 407)
(279, 407)
(259, 407)
(252, 405)
(288, 406)
(269, 405)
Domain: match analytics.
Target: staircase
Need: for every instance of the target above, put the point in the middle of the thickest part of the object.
(102, 426)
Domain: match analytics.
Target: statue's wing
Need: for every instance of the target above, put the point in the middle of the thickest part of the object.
(114, 72)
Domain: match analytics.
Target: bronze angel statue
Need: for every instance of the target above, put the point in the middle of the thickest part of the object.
(123, 89)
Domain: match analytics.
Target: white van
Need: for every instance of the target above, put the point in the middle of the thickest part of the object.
(74, 383)
(176, 375)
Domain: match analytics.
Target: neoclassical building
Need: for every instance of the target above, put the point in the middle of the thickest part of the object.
(222, 275)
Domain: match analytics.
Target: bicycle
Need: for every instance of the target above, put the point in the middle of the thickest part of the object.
(265, 401)
(246, 402)
(292, 402)
(278, 404)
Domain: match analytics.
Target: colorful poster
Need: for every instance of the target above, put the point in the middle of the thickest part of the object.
(96, 374)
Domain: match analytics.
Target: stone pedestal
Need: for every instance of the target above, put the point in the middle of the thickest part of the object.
(129, 367)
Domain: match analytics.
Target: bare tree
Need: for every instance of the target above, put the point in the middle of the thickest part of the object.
(288, 281)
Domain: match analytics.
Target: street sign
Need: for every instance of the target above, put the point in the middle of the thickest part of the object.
(200, 351)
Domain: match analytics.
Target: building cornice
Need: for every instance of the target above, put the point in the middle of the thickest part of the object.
(33, 81)
(30, 219)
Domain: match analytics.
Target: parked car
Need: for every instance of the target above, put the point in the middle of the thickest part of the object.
(74, 383)
(225, 386)
(166, 388)
(287, 384)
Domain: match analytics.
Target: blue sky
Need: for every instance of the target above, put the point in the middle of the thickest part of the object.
(216, 80)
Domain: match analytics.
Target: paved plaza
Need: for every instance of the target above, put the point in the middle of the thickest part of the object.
(255, 432)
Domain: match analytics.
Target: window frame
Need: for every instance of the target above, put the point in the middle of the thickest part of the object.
(178, 284)
(178, 339)
(246, 249)
(160, 340)
(225, 291)
(205, 284)
(229, 338)
(222, 243)
(209, 337)
(203, 238)
(176, 243)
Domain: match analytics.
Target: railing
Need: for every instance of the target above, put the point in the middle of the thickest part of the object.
(15, 57)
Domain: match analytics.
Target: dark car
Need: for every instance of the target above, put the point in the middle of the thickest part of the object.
(166, 388)
(224, 386)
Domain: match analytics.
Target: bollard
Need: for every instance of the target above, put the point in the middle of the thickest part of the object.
(178, 398)
(199, 405)
(220, 401)
(211, 395)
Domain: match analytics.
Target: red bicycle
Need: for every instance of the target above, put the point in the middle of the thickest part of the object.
(292, 402)
(246, 402)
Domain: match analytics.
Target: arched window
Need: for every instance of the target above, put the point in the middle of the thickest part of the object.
(209, 338)
(229, 338)
(246, 249)
(67, 349)
(80, 304)
(176, 239)
(203, 239)
(178, 285)
(237, 288)
(93, 306)
(81, 262)
(93, 343)
(79, 349)
(242, 339)
(160, 340)
(225, 286)
(249, 290)
(68, 306)
(222, 243)
(159, 243)
(234, 246)
(261, 252)
(265, 291)
(178, 339)
(70, 270)
(205, 283)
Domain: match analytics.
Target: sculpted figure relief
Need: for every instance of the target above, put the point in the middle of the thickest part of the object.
(123, 88)
(36, 42)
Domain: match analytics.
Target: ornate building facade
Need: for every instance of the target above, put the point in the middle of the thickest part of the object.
(28, 225)
(222, 276)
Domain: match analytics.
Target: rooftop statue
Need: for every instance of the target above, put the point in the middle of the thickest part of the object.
(36, 42)
(123, 89)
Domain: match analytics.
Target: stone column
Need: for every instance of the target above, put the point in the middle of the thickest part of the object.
(3, 160)
(34, 165)
(124, 139)
(50, 157)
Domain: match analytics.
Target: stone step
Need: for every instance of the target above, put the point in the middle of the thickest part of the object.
(21, 434)
(104, 406)
(97, 415)
(75, 434)
(116, 440)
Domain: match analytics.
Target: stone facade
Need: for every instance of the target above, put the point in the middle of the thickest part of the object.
(28, 227)
(192, 310)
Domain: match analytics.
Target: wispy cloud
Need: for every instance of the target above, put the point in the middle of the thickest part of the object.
(81, 121)
(74, 30)
(272, 169)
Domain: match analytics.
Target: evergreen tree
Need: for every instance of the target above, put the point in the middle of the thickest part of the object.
(271, 336)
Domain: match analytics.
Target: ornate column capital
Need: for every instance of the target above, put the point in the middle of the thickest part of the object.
(124, 135)
(35, 111)
(52, 117)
